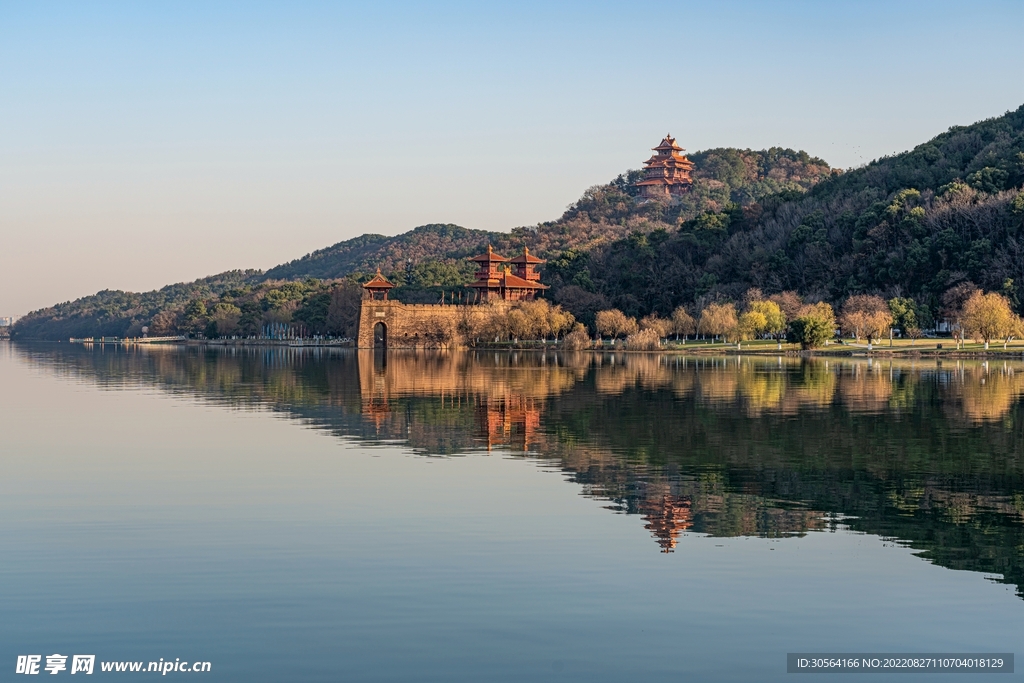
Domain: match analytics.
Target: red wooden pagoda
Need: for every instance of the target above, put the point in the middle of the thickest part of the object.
(495, 279)
(667, 173)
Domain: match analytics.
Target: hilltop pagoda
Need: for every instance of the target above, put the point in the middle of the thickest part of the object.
(667, 173)
(494, 279)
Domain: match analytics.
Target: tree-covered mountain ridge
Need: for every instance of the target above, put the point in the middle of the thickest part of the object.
(431, 257)
(604, 213)
(912, 224)
(950, 211)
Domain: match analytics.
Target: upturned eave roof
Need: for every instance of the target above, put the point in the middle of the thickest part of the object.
(666, 181)
(668, 142)
(490, 257)
(378, 282)
(527, 257)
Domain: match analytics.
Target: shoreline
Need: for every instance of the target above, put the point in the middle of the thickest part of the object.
(697, 349)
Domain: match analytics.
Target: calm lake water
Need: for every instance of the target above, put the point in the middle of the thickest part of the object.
(326, 515)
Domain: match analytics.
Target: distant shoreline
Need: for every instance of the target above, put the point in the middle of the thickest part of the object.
(694, 349)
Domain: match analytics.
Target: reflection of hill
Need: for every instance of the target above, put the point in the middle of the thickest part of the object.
(926, 453)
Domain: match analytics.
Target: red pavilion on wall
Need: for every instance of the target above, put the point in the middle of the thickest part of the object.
(499, 278)
(378, 287)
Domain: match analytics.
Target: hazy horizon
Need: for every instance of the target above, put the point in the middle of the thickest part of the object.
(147, 145)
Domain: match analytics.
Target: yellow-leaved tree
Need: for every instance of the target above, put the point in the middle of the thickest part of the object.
(989, 316)
(614, 323)
(683, 323)
(865, 315)
(762, 317)
(659, 325)
(719, 320)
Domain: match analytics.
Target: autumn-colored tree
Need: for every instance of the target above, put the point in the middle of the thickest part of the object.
(683, 323)
(774, 322)
(538, 313)
(559, 321)
(520, 324)
(439, 330)
(751, 324)
(988, 316)
(750, 296)
(789, 303)
(615, 324)
(659, 325)
(607, 322)
(820, 310)
(493, 323)
(953, 301)
(719, 320)
(1016, 331)
(647, 339)
(867, 315)
(577, 339)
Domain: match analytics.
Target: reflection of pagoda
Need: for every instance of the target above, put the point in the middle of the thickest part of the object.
(666, 518)
(667, 173)
(509, 420)
(495, 280)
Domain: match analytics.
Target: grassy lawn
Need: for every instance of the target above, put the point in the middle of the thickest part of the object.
(946, 344)
(932, 344)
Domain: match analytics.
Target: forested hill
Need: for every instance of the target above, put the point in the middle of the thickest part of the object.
(119, 313)
(914, 224)
(430, 256)
(445, 242)
(604, 213)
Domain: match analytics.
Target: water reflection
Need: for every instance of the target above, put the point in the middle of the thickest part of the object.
(925, 453)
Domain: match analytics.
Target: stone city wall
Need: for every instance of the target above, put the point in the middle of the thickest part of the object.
(419, 325)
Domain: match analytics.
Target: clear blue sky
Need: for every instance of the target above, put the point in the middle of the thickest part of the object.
(148, 143)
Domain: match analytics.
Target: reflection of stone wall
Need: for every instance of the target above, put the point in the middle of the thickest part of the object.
(420, 325)
(463, 373)
(504, 394)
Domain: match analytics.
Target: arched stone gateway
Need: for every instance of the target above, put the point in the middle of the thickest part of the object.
(380, 335)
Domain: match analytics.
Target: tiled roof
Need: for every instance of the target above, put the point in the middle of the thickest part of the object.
(668, 142)
(674, 160)
(511, 281)
(526, 257)
(666, 181)
(508, 281)
(378, 282)
(490, 256)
